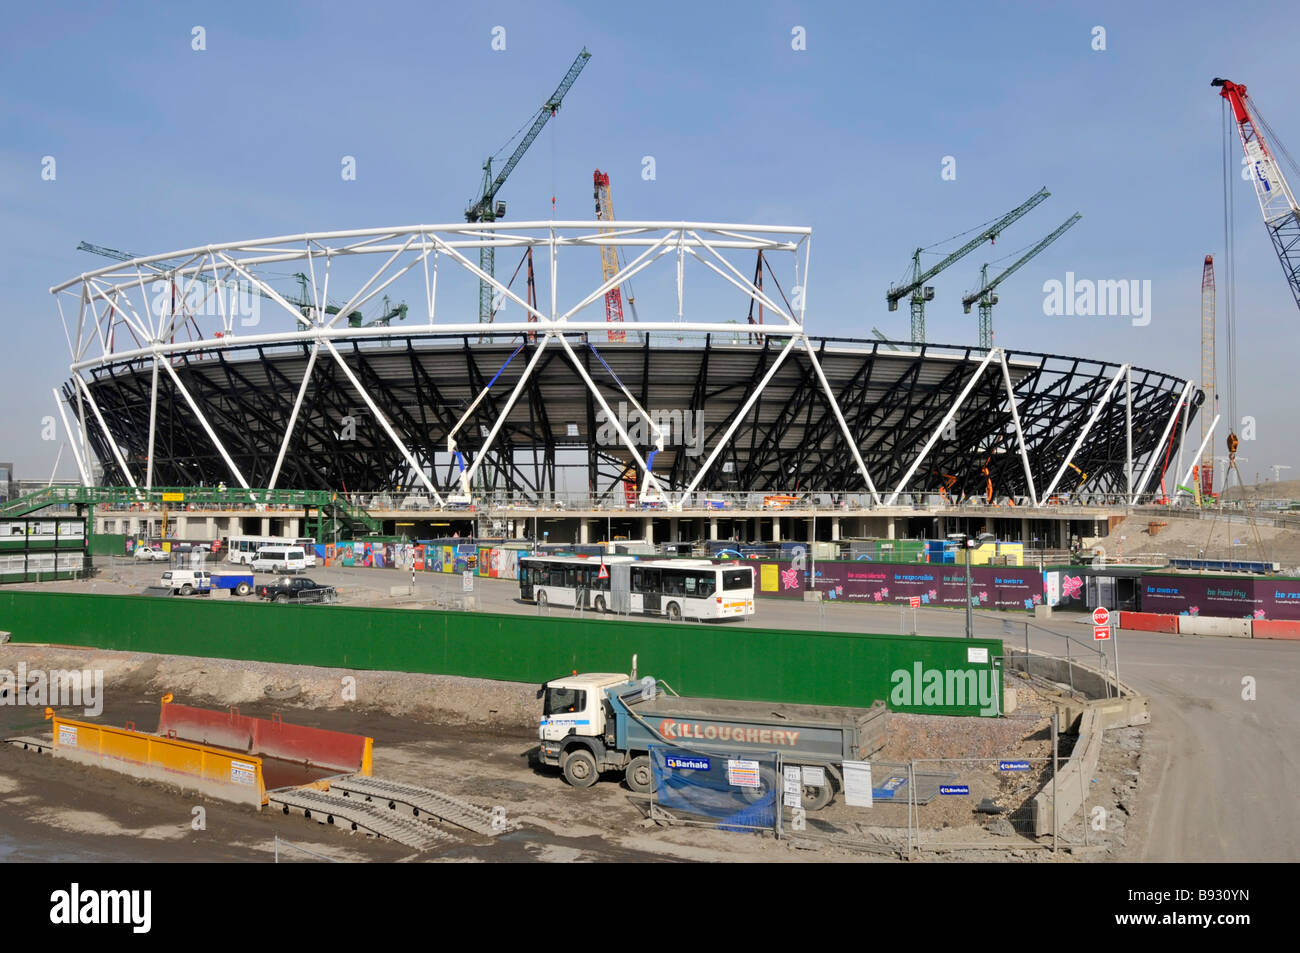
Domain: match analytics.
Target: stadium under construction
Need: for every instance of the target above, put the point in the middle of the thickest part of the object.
(193, 369)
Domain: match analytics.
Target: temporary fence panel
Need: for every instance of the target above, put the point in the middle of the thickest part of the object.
(730, 790)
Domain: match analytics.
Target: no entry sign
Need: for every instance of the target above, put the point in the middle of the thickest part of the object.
(1101, 616)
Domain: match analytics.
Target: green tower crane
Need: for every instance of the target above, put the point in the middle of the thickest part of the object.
(985, 295)
(485, 208)
(921, 292)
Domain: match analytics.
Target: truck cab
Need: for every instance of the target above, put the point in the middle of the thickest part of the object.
(577, 724)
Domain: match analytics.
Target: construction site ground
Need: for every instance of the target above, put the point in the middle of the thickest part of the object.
(1192, 535)
(469, 738)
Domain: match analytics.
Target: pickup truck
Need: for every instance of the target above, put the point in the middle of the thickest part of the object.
(297, 589)
(606, 722)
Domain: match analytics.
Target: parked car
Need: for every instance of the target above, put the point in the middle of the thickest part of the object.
(296, 589)
(148, 552)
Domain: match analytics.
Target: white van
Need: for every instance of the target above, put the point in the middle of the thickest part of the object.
(279, 559)
(187, 581)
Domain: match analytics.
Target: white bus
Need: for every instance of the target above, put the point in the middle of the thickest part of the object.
(676, 588)
(242, 549)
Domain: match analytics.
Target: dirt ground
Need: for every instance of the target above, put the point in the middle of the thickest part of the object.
(1182, 537)
(469, 738)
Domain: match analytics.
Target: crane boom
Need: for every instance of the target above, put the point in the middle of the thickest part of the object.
(971, 298)
(485, 208)
(1276, 202)
(985, 295)
(481, 209)
(916, 287)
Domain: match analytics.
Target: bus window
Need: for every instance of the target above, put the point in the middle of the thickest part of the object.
(734, 579)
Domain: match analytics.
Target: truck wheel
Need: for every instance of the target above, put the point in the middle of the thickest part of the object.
(580, 768)
(599, 604)
(542, 601)
(674, 612)
(640, 775)
(243, 589)
(282, 598)
(814, 799)
(187, 590)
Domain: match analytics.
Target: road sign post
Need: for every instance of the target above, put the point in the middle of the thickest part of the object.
(1114, 647)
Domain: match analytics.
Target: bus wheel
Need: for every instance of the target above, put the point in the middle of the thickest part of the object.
(599, 604)
(674, 612)
(640, 776)
(542, 601)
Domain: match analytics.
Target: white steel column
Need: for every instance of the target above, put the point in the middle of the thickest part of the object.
(108, 434)
(72, 438)
(153, 424)
(735, 421)
(611, 417)
(1092, 419)
(293, 416)
(934, 437)
(1020, 435)
(1128, 431)
(207, 427)
(1149, 469)
(844, 427)
(1196, 459)
(467, 476)
(1187, 412)
(383, 421)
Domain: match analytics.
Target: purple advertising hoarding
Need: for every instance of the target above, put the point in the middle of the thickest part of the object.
(992, 587)
(1229, 597)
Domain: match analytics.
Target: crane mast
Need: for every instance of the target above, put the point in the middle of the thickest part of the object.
(1209, 385)
(1276, 202)
(987, 299)
(608, 254)
(485, 208)
(921, 292)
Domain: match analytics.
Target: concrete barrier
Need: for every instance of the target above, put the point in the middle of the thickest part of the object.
(1275, 629)
(1056, 803)
(1209, 625)
(1148, 622)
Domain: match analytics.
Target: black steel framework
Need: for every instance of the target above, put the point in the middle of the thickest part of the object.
(893, 397)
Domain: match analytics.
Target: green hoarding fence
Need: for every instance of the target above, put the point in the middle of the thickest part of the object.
(934, 675)
(108, 544)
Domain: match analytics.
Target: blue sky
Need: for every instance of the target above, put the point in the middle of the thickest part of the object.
(159, 147)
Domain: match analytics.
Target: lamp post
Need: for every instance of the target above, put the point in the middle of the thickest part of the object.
(968, 543)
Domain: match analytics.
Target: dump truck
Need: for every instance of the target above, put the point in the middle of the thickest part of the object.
(601, 722)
